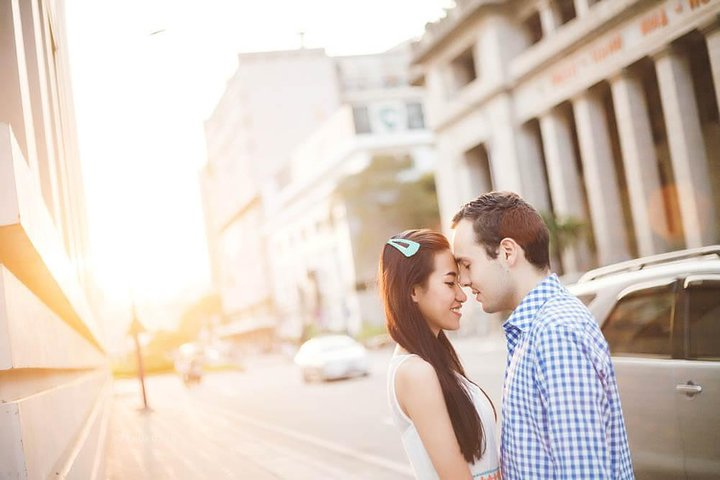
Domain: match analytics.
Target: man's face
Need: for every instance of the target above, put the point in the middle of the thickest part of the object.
(488, 278)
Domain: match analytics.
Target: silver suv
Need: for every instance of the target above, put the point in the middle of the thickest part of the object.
(661, 318)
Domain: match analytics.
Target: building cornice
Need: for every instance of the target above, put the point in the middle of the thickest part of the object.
(574, 35)
(438, 32)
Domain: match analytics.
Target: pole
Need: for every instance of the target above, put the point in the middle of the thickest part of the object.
(141, 370)
(135, 329)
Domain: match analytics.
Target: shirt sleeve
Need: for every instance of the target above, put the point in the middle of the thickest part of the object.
(572, 391)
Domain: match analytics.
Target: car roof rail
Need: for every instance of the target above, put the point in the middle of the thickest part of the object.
(640, 263)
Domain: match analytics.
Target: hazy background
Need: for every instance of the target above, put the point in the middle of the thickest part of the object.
(146, 74)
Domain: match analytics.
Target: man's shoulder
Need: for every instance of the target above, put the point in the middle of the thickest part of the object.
(563, 310)
(564, 318)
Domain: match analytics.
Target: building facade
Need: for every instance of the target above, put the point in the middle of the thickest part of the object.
(304, 234)
(271, 104)
(324, 256)
(601, 111)
(55, 384)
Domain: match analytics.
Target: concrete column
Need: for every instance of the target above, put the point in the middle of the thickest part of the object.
(549, 17)
(478, 180)
(450, 175)
(535, 189)
(641, 169)
(582, 7)
(502, 150)
(712, 37)
(600, 179)
(687, 147)
(564, 179)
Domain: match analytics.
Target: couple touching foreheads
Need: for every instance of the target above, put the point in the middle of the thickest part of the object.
(561, 413)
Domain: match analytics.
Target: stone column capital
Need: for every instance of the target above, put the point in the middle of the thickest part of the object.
(544, 4)
(620, 74)
(710, 26)
(582, 7)
(587, 95)
(663, 51)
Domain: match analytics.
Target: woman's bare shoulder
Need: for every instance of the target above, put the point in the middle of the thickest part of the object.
(416, 372)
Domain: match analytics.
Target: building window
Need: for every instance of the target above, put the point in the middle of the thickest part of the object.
(283, 178)
(566, 9)
(415, 116)
(391, 81)
(361, 117)
(533, 26)
(463, 68)
(478, 164)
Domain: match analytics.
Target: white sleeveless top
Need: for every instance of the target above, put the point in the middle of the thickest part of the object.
(487, 468)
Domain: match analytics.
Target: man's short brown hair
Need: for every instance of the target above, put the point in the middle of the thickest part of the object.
(498, 215)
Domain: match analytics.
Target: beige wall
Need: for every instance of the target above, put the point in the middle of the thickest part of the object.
(54, 378)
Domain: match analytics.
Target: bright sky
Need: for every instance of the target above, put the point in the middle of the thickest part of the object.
(146, 74)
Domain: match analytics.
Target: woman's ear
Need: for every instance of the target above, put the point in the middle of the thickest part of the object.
(414, 293)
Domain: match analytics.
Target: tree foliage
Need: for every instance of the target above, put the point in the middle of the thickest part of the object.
(387, 197)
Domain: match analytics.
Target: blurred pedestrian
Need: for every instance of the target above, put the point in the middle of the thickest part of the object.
(447, 421)
(562, 417)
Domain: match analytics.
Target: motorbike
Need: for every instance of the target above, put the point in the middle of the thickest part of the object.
(193, 374)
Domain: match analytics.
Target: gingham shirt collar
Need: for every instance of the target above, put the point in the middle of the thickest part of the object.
(523, 315)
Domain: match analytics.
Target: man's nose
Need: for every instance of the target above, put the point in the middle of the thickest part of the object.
(463, 279)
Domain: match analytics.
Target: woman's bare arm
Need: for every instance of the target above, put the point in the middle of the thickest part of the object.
(419, 394)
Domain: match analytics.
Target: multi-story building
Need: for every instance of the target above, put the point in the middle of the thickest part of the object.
(346, 111)
(273, 101)
(324, 257)
(55, 383)
(604, 111)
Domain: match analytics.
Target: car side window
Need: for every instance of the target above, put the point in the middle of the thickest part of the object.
(704, 319)
(641, 323)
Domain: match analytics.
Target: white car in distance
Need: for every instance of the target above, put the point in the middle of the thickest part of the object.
(330, 357)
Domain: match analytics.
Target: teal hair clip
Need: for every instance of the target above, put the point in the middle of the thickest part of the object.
(406, 247)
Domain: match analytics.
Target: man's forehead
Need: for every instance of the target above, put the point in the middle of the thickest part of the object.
(463, 234)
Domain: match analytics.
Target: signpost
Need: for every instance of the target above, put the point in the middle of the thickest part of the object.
(136, 328)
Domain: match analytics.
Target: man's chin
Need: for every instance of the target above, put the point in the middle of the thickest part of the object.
(488, 308)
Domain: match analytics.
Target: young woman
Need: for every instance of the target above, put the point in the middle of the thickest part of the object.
(447, 422)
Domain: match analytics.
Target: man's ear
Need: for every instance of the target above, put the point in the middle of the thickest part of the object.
(509, 251)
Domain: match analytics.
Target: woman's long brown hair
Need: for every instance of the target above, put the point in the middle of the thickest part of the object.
(406, 325)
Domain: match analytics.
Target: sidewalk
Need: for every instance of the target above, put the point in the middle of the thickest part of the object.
(177, 440)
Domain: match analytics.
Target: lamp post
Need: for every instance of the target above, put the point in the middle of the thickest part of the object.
(136, 328)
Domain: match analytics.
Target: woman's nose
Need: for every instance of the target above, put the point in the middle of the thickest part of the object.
(460, 295)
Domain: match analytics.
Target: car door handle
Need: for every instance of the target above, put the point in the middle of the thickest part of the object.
(689, 389)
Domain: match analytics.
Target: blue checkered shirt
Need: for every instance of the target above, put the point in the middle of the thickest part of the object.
(561, 409)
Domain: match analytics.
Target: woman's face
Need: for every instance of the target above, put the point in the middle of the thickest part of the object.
(441, 298)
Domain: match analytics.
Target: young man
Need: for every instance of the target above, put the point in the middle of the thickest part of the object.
(561, 409)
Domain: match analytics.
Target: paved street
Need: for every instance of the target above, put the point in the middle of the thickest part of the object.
(266, 423)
